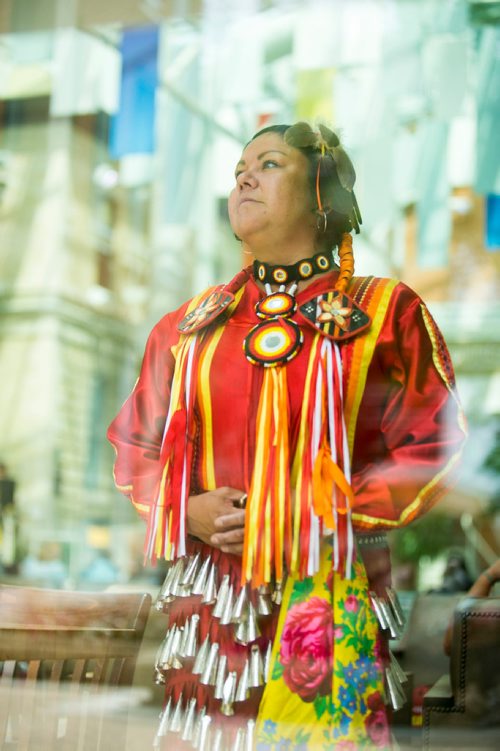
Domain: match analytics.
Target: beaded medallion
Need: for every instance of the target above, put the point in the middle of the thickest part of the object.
(335, 315)
(277, 339)
(206, 312)
(273, 342)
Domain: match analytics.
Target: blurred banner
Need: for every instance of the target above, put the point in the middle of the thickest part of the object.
(493, 222)
(133, 127)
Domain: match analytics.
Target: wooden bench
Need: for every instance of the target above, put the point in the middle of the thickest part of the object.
(67, 660)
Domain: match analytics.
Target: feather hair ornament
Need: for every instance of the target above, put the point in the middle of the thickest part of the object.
(324, 140)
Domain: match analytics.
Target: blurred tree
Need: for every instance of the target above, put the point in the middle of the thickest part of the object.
(430, 536)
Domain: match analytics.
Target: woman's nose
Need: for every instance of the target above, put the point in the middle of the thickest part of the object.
(246, 178)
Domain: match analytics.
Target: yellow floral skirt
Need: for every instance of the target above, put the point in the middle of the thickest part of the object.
(326, 687)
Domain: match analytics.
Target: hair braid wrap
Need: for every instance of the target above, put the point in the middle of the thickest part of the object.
(346, 263)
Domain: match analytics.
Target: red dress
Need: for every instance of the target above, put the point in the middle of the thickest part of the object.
(408, 432)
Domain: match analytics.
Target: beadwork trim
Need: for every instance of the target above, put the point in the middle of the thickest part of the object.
(367, 540)
(280, 274)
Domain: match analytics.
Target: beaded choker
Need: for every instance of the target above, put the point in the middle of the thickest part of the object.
(295, 272)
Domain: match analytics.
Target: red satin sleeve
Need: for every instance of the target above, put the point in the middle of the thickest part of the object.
(410, 426)
(136, 432)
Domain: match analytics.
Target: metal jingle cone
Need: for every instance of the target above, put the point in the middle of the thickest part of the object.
(396, 694)
(204, 739)
(178, 588)
(397, 670)
(228, 694)
(176, 643)
(267, 661)
(201, 577)
(210, 591)
(184, 638)
(159, 678)
(256, 677)
(217, 740)
(250, 735)
(239, 741)
(166, 656)
(195, 740)
(201, 658)
(165, 587)
(183, 588)
(210, 672)
(177, 717)
(239, 610)
(163, 650)
(397, 610)
(177, 574)
(189, 718)
(164, 719)
(190, 571)
(253, 626)
(264, 604)
(241, 632)
(220, 677)
(382, 621)
(225, 619)
(277, 595)
(242, 690)
(220, 605)
(192, 637)
(394, 629)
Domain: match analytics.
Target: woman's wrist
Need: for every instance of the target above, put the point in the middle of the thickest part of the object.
(489, 576)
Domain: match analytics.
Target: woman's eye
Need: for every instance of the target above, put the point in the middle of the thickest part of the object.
(269, 163)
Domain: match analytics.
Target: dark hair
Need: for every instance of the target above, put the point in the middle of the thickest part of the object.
(336, 199)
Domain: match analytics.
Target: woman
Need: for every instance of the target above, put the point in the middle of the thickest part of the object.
(279, 425)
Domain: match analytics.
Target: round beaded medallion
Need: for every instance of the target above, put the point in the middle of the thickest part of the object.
(277, 304)
(273, 342)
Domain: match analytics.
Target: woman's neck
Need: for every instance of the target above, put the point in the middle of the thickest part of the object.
(284, 253)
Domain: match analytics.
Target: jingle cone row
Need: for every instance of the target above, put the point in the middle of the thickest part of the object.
(391, 620)
(395, 677)
(389, 613)
(198, 728)
(189, 576)
(182, 648)
(210, 665)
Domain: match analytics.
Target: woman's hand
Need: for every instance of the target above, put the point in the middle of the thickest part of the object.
(213, 518)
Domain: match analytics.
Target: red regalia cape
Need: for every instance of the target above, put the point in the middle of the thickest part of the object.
(405, 440)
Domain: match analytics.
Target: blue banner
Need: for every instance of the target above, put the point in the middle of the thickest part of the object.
(493, 222)
(132, 129)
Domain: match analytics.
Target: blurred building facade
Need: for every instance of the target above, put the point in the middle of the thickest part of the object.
(121, 124)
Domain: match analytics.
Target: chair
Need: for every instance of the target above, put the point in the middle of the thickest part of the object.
(66, 660)
(462, 710)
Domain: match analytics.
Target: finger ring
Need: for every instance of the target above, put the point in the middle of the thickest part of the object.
(241, 502)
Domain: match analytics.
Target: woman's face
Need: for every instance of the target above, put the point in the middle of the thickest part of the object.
(272, 193)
